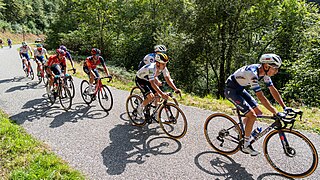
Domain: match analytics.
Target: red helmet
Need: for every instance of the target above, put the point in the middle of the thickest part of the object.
(61, 52)
(95, 51)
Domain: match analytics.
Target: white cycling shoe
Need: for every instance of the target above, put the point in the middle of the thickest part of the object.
(249, 150)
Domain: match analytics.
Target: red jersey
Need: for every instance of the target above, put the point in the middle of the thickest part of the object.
(55, 60)
(92, 64)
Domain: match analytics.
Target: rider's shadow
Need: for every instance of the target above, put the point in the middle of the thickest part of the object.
(221, 165)
(29, 85)
(131, 144)
(78, 111)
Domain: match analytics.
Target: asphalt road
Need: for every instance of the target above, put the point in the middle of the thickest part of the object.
(105, 146)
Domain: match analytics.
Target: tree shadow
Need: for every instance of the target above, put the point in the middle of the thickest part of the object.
(131, 144)
(220, 165)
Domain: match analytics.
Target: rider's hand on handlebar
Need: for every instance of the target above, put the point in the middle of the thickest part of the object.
(280, 114)
(74, 70)
(165, 96)
(287, 109)
(110, 77)
(177, 91)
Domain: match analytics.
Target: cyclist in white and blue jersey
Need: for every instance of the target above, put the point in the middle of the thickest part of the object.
(150, 58)
(250, 76)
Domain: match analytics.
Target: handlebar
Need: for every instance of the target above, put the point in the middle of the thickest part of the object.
(107, 77)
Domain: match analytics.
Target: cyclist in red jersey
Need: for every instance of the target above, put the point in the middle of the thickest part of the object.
(90, 67)
(55, 65)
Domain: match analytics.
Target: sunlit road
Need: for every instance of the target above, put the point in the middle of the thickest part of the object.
(105, 146)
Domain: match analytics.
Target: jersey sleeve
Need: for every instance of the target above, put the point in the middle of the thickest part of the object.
(102, 62)
(165, 72)
(268, 81)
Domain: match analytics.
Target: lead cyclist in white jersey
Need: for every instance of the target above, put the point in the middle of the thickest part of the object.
(150, 58)
(40, 56)
(249, 76)
(147, 81)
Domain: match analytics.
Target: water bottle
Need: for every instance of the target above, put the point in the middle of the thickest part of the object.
(255, 133)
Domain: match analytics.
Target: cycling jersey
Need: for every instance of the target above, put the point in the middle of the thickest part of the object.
(41, 53)
(25, 49)
(92, 64)
(54, 60)
(148, 59)
(150, 72)
(247, 76)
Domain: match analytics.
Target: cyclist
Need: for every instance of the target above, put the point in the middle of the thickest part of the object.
(149, 58)
(55, 65)
(1, 43)
(40, 56)
(24, 52)
(249, 76)
(146, 79)
(90, 67)
(9, 42)
(69, 57)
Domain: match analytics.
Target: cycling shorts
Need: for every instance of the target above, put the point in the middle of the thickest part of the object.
(145, 86)
(241, 99)
(86, 70)
(40, 59)
(26, 55)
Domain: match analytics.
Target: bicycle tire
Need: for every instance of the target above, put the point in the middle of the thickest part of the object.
(31, 73)
(45, 79)
(51, 96)
(292, 154)
(105, 98)
(84, 88)
(65, 98)
(223, 133)
(175, 126)
(70, 85)
(136, 90)
(132, 103)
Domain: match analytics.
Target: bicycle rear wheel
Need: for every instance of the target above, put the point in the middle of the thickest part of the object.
(172, 120)
(84, 88)
(297, 159)
(105, 98)
(223, 133)
(65, 98)
(70, 85)
(132, 104)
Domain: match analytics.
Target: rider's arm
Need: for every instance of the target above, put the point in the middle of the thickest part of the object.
(265, 102)
(168, 79)
(30, 50)
(276, 95)
(157, 89)
(70, 59)
(106, 70)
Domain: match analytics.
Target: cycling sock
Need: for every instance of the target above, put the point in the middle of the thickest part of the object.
(246, 141)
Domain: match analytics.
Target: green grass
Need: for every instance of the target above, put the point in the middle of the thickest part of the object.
(23, 157)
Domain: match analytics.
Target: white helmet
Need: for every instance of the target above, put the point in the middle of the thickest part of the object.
(160, 48)
(271, 59)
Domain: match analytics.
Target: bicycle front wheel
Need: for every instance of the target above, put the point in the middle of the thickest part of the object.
(172, 120)
(105, 98)
(132, 104)
(65, 98)
(298, 158)
(84, 88)
(136, 90)
(223, 133)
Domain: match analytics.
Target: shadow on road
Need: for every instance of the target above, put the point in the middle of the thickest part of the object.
(221, 165)
(272, 176)
(29, 85)
(135, 146)
(40, 108)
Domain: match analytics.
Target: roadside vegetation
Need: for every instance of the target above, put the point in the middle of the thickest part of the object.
(23, 157)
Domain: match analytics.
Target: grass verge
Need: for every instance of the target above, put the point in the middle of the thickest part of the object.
(23, 157)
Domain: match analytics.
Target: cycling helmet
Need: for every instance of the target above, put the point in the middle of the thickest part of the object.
(160, 48)
(271, 59)
(95, 51)
(162, 58)
(39, 45)
(63, 47)
(61, 52)
(24, 43)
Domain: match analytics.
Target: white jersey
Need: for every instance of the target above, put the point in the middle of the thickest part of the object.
(24, 50)
(247, 76)
(41, 53)
(150, 72)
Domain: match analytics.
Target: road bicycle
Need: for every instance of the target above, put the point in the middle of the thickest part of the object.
(42, 76)
(170, 117)
(288, 151)
(68, 80)
(103, 92)
(61, 91)
(28, 68)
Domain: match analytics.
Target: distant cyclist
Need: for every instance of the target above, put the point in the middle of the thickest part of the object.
(1, 43)
(9, 42)
(249, 76)
(40, 56)
(147, 81)
(68, 56)
(24, 52)
(150, 58)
